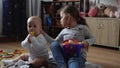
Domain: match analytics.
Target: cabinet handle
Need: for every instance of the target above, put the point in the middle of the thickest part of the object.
(101, 26)
(98, 26)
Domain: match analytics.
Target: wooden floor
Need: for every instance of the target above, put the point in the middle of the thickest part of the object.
(108, 58)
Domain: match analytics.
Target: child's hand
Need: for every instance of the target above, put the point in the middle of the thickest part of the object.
(29, 36)
(85, 45)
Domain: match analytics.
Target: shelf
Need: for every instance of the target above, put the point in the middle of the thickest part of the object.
(50, 15)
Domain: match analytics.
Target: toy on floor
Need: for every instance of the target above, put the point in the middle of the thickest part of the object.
(1, 54)
(10, 53)
(17, 51)
(7, 53)
(71, 48)
(0, 57)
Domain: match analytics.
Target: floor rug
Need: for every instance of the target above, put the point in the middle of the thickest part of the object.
(87, 64)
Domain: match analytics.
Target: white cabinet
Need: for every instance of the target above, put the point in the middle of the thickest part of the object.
(106, 30)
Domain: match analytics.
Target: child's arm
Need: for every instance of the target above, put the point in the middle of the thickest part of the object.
(48, 38)
(90, 39)
(38, 42)
(26, 43)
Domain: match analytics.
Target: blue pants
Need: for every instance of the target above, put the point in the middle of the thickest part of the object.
(60, 60)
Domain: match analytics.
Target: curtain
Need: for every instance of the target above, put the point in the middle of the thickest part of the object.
(33, 7)
(0, 17)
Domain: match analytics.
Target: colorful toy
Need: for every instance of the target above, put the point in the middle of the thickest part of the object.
(7, 54)
(101, 7)
(17, 51)
(110, 10)
(93, 12)
(0, 57)
(71, 48)
(10, 53)
(117, 14)
(1, 50)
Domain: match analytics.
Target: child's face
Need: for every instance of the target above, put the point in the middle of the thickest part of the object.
(34, 26)
(65, 20)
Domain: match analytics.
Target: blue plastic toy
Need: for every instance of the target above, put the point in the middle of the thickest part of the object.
(71, 49)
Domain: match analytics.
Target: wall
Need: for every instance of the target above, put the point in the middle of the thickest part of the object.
(0, 16)
(108, 2)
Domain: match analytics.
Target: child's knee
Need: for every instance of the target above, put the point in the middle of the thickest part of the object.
(54, 45)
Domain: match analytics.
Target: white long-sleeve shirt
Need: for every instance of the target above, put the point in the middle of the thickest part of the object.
(37, 47)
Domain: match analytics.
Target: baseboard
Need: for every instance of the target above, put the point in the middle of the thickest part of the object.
(7, 39)
(114, 48)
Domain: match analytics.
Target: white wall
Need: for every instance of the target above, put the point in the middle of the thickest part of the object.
(108, 2)
(0, 16)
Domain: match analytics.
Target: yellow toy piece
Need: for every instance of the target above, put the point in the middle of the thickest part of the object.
(32, 33)
(0, 57)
